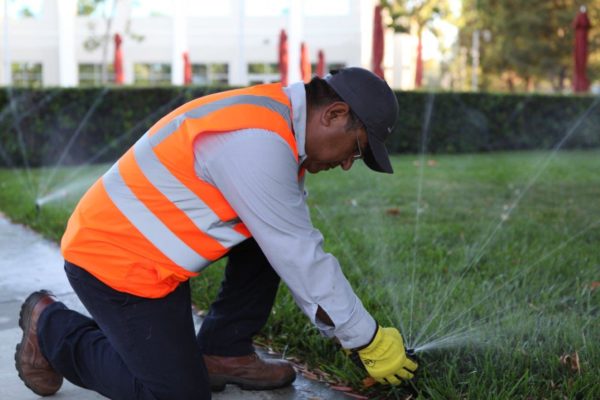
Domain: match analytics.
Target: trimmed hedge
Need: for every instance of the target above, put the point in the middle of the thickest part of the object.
(479, 122)
(98, 124)
(93, 125)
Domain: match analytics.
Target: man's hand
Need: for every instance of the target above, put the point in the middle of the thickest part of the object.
(385, 357)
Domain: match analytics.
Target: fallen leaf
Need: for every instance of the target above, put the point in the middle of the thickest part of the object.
(356, 396)
(431, 163)
(310, 375)
(571, 361)
(392, 211)
(302, 367)
(368, 382)
(594, 285)
(342, 388)
(323, 374)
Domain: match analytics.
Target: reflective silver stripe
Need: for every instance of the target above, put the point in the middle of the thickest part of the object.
(149, 225)
(203, 216)
(199, 112)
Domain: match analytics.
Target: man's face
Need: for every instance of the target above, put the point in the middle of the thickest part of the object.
(329, 142)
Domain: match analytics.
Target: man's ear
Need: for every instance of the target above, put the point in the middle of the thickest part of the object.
(334, 111)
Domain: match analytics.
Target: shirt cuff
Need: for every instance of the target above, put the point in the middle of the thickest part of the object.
(357, 331)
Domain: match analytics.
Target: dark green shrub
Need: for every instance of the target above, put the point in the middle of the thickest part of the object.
(475, 122)
(73, 126)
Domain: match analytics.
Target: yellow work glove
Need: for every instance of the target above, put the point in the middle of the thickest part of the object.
(385, 357)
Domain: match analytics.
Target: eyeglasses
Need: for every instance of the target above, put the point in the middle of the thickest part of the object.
(358, 153)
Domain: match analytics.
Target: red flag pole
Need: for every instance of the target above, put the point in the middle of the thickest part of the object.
(118, 61)
(305, 68)
(187, 69)
(321, 64)
(283, 57)
(419, 68)
(378, 43)
(582, 25)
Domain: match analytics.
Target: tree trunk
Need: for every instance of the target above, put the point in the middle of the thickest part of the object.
(510, 82)
(562, 76)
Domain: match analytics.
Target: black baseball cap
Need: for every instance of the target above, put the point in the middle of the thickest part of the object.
(375, 104)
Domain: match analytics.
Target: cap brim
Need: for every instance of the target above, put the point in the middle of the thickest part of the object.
(376, 156)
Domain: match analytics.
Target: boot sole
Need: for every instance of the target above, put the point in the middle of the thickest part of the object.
(25, 308)
(217, 383)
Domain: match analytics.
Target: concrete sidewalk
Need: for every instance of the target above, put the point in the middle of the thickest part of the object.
(28, 262)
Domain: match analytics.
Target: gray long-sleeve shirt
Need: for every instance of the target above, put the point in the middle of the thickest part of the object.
(257, 173)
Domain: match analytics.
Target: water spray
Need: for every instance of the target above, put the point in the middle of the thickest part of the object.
(59, 194)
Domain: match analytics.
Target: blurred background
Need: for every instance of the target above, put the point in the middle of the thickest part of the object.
(468, 45)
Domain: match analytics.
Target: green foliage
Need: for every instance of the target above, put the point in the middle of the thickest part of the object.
(87, 7)
(19, 189)
(91, 125)
(515, 282)
(499, 249)
(95, 125)
(528, 43)
(479, 122)
(420, 13)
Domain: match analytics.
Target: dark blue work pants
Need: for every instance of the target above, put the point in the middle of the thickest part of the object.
(139, 348)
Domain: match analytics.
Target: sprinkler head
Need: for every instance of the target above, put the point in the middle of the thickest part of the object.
(412, 354)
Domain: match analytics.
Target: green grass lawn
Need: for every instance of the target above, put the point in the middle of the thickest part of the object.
(487, 263)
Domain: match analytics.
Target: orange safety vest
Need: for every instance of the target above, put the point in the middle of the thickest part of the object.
(150, 222)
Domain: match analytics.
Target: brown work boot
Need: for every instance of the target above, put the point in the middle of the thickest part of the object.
(33, 368)
(248, 372)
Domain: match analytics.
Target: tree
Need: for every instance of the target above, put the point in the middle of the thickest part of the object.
(410, 16)
(88, 7)
(531, 43)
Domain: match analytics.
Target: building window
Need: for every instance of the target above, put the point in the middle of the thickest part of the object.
(334, 66)
(263, 73)
(96, 8)
(27, 74)
(152, 74)
(328, 67)
(91, 74)
(24, 9)
(210, 74)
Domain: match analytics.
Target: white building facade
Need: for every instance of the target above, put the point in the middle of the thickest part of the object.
(228, 41)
